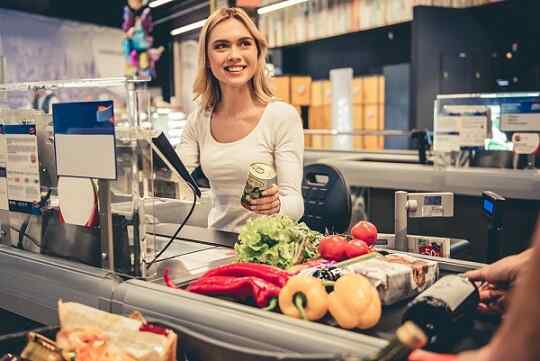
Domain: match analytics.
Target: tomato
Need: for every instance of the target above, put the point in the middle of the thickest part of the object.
(356, 248)
(333, 248)
(365, 231)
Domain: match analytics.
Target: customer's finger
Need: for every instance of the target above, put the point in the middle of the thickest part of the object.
(274, 189)
(266, 206)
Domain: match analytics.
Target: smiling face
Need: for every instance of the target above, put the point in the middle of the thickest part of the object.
(232, 53)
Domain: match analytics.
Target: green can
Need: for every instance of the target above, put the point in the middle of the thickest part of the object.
(261, 176)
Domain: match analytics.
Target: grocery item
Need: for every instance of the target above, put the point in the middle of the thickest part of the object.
(354, 303)
(365, 231)
(443, 307)
(276, 240)
(261, 176)
(304, 297)
(332, 247)
(265, 272)
(396, 276)
(100, 336)
(355, 248)
(240, 288)
(409, 337)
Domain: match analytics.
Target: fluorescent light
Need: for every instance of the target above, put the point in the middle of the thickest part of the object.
(280, 5)
(186, 28)
(155, 4)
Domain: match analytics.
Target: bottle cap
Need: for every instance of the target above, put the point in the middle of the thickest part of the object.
(411, 335)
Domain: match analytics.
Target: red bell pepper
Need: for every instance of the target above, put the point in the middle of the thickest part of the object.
(167, 279)
(265, 272)
(239, 287)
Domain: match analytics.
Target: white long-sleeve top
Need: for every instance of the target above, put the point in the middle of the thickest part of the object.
(277, 139)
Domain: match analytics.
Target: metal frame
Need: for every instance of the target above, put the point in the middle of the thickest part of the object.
(131, 86)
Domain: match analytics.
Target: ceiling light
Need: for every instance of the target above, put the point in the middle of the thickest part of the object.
(280, 5)
(186, 28)
(155, 4)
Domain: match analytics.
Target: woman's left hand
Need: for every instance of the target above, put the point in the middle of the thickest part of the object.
(268, 204)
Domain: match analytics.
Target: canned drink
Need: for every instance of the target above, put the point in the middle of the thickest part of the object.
(261, 176)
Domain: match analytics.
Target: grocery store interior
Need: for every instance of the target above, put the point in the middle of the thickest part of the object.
(347, 180)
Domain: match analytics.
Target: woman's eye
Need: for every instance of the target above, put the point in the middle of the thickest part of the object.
(245, 44)
(220, 46)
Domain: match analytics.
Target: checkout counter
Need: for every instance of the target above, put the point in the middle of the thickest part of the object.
(209, 328)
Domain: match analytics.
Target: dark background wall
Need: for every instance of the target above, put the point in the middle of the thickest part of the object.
(366, 52)
(491, 48)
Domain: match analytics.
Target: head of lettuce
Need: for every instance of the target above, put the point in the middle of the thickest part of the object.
(276, 240)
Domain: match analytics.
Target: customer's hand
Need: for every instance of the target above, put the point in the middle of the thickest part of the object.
(268, 204)
(497, 279)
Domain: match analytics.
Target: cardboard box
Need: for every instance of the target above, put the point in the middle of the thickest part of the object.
(327, 92)
(370, 87)
(381, 125)
(315, 121)
(371, 122)
(327, 124)
(380, 87)
(281, 86)
(316, 93)
(300, 90)
(357, 91)
(358, 124)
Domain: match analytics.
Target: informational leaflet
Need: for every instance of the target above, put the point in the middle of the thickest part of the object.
(473, 130)
(4, 205)
(455, 131)
(23, 187)
(520, 117)
(85, 139)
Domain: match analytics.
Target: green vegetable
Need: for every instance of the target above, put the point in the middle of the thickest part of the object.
(276, 240)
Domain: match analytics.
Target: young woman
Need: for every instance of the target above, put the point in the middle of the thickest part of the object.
(237, 122)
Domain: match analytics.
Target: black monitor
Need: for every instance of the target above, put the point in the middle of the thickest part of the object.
(169, 155)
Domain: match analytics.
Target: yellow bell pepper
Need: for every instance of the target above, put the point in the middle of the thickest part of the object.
(355, 303)
(313, 295)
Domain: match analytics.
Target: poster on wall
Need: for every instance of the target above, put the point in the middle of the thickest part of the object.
(84, 139)
(22, 168)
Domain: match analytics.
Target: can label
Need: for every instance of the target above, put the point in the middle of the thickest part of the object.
(261, 176)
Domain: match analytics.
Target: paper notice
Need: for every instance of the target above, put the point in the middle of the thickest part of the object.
(446, 142)
(473, 130)
(22, 166)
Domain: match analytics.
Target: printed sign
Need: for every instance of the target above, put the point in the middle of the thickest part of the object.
(22, 168)
(85, 139)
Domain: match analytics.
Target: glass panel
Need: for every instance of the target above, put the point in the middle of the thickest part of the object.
(126, 204)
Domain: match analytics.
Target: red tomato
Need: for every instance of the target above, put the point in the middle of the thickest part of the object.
(356, 248)
(333, 248)
(365, 231)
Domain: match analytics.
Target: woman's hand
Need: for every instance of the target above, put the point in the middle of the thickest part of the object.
(268, 204)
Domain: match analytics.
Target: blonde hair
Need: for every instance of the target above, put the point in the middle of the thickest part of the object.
(206, 86)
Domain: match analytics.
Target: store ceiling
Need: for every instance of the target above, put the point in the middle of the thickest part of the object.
(100, 12)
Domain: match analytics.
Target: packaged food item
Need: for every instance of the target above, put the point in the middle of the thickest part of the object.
(261, 176)
(40, 348)
(396, 276)
(96, 335)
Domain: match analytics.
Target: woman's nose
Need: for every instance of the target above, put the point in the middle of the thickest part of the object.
(234, 53)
